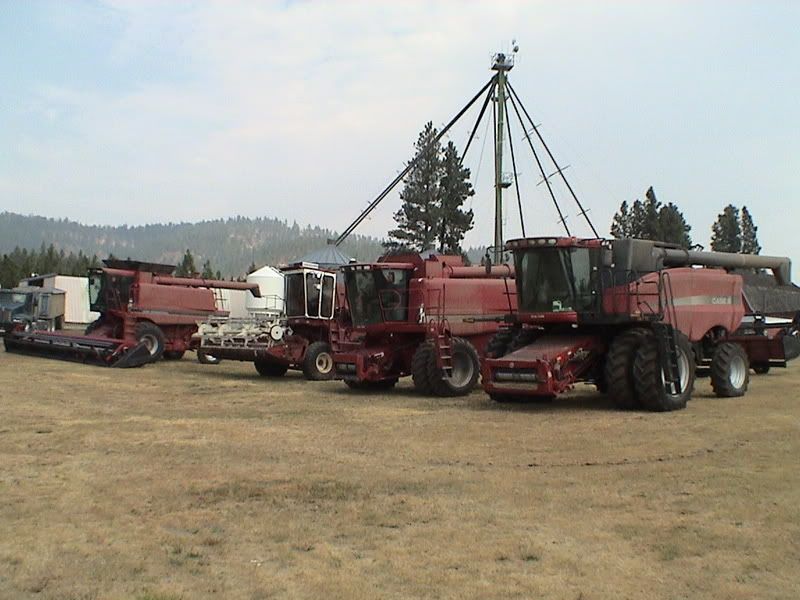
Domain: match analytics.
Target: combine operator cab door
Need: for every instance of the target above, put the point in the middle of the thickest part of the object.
(377, 295)
(108, 292)
(310, 294)
(557, 279)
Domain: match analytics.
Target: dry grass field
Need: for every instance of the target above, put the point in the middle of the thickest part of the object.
(186, 481)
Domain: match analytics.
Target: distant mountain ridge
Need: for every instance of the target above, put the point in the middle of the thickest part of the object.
(230, 244)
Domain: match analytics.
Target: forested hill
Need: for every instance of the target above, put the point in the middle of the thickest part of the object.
(230, 244)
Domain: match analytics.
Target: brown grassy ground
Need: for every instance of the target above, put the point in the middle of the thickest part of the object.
(188, 481)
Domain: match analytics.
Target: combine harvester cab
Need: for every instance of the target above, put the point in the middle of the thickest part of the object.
(424, 317)
(291, 332)
(634, 317)
(145, 313)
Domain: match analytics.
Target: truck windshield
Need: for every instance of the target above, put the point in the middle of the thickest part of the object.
(377, 295)
(9, 298)
(554, 279)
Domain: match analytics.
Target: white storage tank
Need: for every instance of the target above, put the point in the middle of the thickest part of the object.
(270, 282)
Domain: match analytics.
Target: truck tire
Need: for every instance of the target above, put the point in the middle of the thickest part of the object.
(760, 368)
(151, 335)
(318, 362)
(730, 370)
(419, 368)
(499, 343)
(204, 358)
(618, 370)
(173, 354)
(269, 368)
(466, 370)
(648, 376)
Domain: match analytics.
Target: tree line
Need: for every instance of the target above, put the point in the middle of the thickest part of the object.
(21, 263)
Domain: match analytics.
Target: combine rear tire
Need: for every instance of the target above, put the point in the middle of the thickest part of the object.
(618, 371)
(760, 368)
(730, 371)
(318, 362)
(499, 344)
(419, 368)
(465, 373)
(648, 376)
(151, 336)
(269, 368)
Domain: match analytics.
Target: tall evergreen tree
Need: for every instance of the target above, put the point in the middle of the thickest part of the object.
(750, 243)
(673, 227)
(186, 267)
(454, 188)
(726, 232)
(208, 272)
(621, 224)
(651, 220)
(650, 224)
(418, 216)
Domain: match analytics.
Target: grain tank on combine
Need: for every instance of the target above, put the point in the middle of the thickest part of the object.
(145, 313)
(409, 316)
(296, 337)
(635, 317)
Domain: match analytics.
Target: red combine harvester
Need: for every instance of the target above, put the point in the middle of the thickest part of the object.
(409, 317)
(298, 338)
(633, 317)
(145, 313)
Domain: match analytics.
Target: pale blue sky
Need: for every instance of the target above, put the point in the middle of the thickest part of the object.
(134, 112)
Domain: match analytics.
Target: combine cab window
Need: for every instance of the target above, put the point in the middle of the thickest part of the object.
(377, 295)
(328, 292)
(555, 279)
(295, 295)
(97, 292)
(313, 285)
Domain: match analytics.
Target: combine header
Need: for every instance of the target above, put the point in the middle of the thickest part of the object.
(145, 313)
(409, 317)
(633, 317)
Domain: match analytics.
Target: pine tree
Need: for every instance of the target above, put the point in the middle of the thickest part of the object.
(750, 243)
(186, 267)
(208, 272)
(726, 233)
(673, 227)
(418, 217)
(621, 224)
(455, 188)
(650, 222)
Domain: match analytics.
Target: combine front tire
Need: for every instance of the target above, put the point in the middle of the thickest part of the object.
(618, 371)
(648, 375)
(465, 372)
(152, 337)
(730, 371)
(318, 362)
(419, 368)
(269, 368)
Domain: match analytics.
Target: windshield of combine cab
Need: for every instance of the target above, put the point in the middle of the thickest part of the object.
(310, 293)
(377, 295)
(555, 279)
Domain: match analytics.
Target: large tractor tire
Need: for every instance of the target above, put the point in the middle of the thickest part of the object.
(499, 343)
(270, 368)
(151, 336)
(419, 368)
(173, 354)
(318, 362)
(618, 371)
(204, 358)
(730, 370)
(648, 376)
(465, 372)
